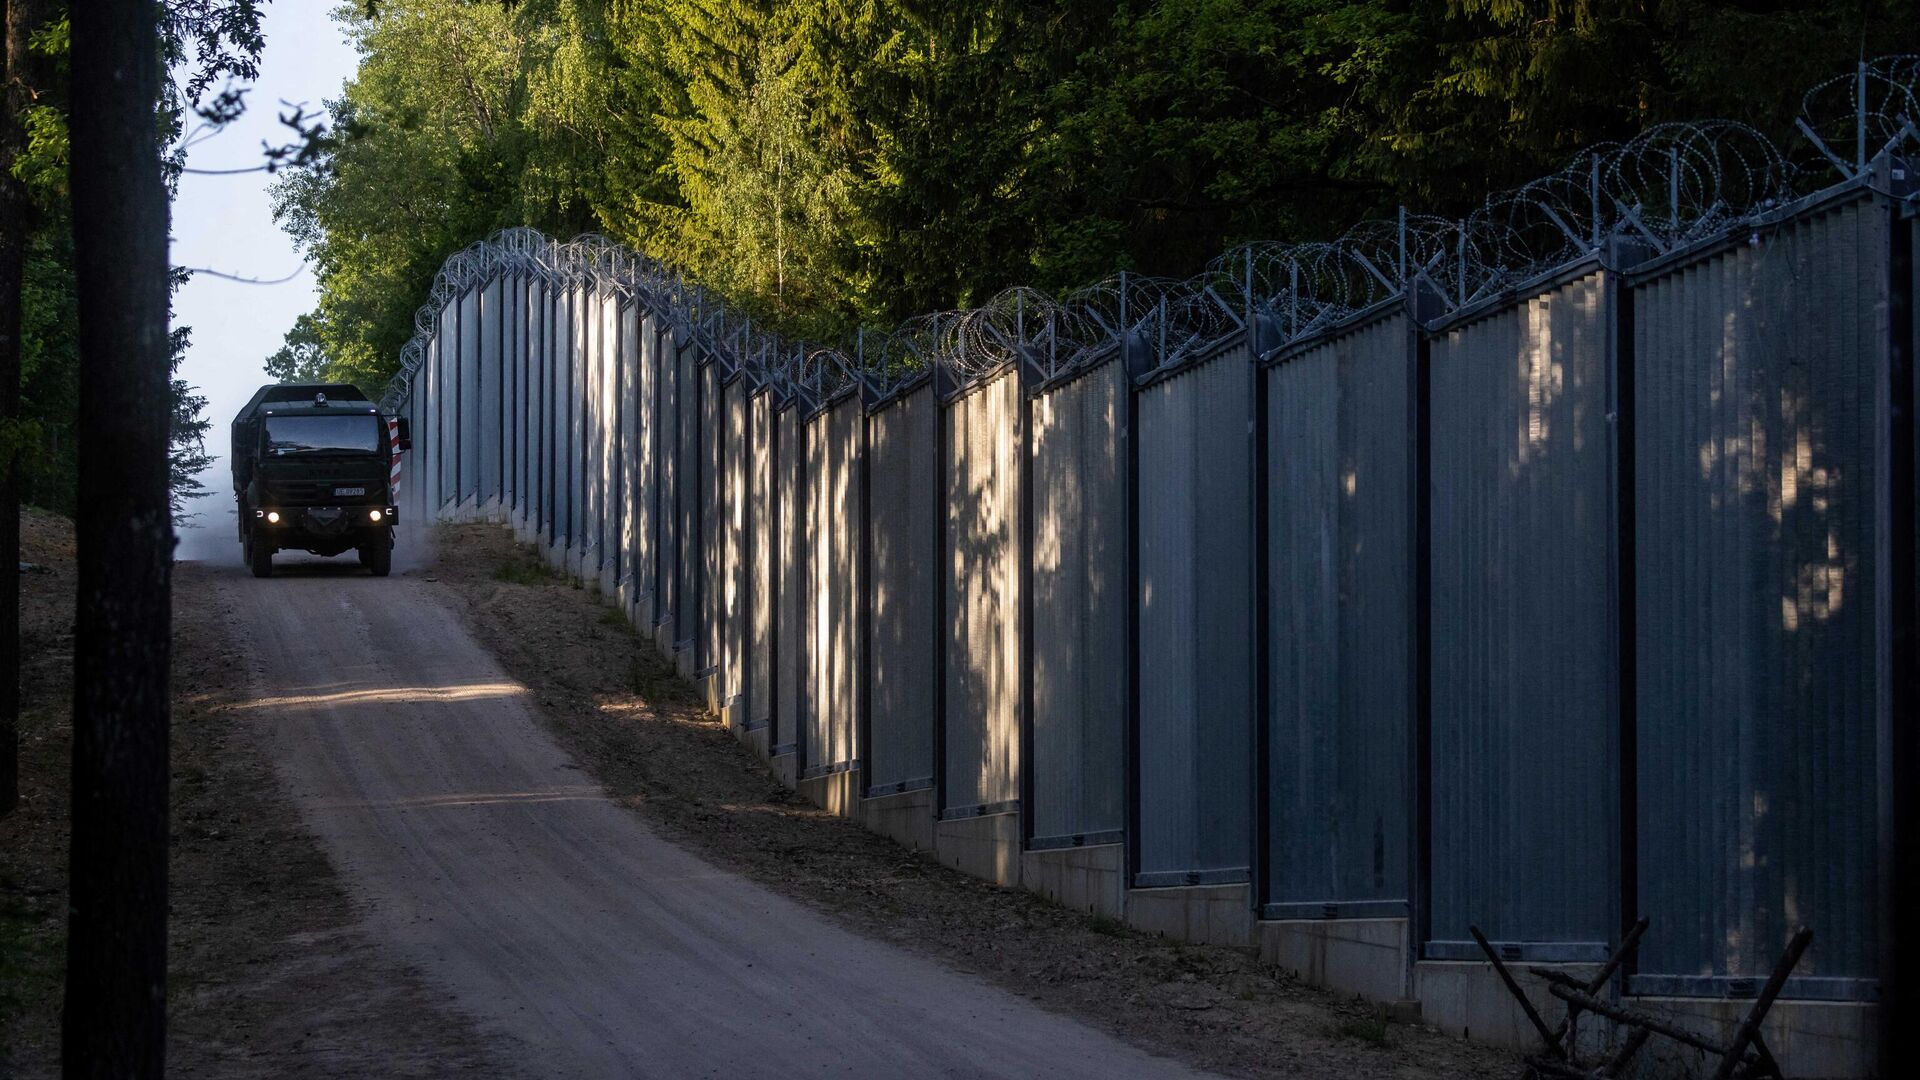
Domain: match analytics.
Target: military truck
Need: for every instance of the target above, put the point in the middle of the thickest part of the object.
(312, 470)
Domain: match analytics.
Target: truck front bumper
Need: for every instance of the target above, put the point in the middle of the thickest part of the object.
(327, 520)
(325, 530)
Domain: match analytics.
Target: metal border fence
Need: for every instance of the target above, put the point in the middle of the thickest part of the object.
(1577, 516)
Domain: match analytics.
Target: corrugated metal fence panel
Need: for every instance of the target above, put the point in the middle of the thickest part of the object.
(526, 389)
(519, 359)
(687, 607)
(528, 447)
(438, 411)
(562, 411)
(429, 387)
(491, 395)
(1080, 606)
(425, 468)
(1523, 714)
(540, 402)
(713, 535)
(579, 319)
(848, 525)
(467, 394)
(552, 414)
(598, 434)
(1196, 655)
(503, 447)
(532, 327)
(544, 425)
(815, 692)
(982, 561)
(903, 560)
(636, 560)
(612, 463)
(591, 449)
(733, 660)
(832, 586)
(764, 532)
(426, 430)
(646, 451)
(556, 418)
(1340, 620)
(790, 493)
(415, 463)
(514, 456)
(1758, 470)
(445, 348)
(666, 500)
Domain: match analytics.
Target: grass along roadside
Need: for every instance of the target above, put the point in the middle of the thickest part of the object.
(33, 839)
(642, 733)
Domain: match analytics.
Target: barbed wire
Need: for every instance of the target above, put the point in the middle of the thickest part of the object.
(1672, 186)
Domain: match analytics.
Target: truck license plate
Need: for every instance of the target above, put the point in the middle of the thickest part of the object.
(350, 491)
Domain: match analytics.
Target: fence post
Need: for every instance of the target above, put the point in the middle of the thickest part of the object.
(1860, 118)
(1593, 193)
(1403, 246)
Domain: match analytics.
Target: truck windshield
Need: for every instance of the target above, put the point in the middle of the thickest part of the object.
(323, 434)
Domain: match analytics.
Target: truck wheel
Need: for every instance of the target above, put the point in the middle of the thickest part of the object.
(260, 557)
(378, 556)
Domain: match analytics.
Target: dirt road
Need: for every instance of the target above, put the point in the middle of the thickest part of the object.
(580, 941)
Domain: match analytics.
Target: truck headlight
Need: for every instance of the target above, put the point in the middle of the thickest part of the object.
(273, 517)
(375, 515)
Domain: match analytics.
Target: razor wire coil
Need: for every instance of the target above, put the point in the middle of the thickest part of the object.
(1669, 187)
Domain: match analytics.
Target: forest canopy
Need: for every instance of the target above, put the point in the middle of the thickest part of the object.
(829, 164)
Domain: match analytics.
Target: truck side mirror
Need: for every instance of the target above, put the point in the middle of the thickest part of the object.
(404, 441)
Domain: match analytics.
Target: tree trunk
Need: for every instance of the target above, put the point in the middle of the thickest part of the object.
(114, 1022)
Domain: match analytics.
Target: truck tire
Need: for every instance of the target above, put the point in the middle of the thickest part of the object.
(260, 557)
(379, 557)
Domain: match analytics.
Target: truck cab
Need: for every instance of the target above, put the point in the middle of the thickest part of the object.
(313, 468)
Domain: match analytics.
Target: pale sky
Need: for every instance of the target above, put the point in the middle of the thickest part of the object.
(226, 223)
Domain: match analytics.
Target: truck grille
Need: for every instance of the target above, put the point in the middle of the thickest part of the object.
(312, 493)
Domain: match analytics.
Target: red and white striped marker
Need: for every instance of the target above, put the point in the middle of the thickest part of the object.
(393, 471)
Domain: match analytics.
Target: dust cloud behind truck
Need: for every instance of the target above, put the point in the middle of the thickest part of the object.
(312, 471)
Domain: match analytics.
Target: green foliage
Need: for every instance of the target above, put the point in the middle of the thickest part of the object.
(205, 42)
(1371, 1030)
(524, 567)
(49, 364)
(303, 357)
(440, 140)
(31, 954)
(828, 164)
(187, 455)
